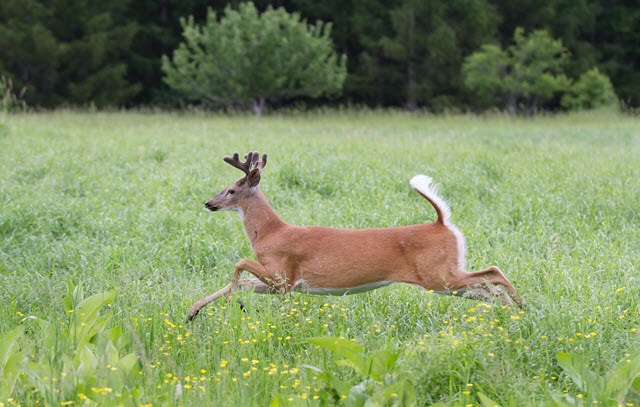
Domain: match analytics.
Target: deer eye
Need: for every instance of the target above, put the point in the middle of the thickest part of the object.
(231, 192)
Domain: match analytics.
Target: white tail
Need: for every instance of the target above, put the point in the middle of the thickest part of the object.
(424, 186)
(320, 260)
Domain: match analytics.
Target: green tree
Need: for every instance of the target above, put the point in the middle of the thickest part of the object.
(572, 21)
(93, 62)
(529, 73)
(159, 33)
(249, 58)
(484, 72)
(64, 51)
(429, 41)
(590, 91)
(357, 27)
(28, 49)
(617, 36)
(537, 69)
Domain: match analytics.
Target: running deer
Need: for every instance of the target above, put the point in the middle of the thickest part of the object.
(322, 260)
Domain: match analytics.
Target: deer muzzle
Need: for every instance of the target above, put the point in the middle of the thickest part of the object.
(211, 206)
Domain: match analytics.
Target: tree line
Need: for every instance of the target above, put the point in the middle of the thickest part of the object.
(399, 53)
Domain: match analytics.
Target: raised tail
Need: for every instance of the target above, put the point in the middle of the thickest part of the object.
(425, 186)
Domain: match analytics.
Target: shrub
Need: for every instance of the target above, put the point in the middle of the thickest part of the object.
(528, 73)
(593, 89)
(247, 58)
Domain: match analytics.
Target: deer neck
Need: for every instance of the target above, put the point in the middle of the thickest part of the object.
(258, 217)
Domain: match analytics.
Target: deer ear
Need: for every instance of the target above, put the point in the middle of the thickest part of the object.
(253, 177)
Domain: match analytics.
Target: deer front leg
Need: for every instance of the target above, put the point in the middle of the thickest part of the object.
(249, 284)
(276, 282)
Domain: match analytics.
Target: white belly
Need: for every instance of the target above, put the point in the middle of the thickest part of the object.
(303, 287)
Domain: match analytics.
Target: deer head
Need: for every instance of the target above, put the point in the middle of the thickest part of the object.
(230, 197)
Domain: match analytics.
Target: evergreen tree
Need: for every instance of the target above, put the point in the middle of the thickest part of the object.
(430, 40)
(93, 63)
(29, 49)
(616, 37)
(400, 52)
(249, 58)
(356, 28)
(67, 51)
(158, 33)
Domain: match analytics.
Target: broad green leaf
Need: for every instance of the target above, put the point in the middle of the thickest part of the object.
(576, 367)
(278, 401)
(360, 393)
(73, 292)
(401, 392)
(112, 334)
(89, 307)
(340, 346)
(360, 366)
(352, 352)
(8, 345)
(10, 357)
(486, 401)
(86, 361)
(620, 379)
(331, 380)
(85, 321)
(560, 400)
(381, 363)
(110, 353)
(9, 374)
(315, 371)
(127, 363)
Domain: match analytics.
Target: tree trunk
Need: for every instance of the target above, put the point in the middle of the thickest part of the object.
(510, 100)
(533, 107)
(258, 105)
(411, 69)
(411, 87)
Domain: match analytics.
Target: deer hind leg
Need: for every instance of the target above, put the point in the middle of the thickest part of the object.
(248, 284)
(469, 283)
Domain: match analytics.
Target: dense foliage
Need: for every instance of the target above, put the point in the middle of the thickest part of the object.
(247, 58)
(400, 52)
(529, 73)
(591, 90)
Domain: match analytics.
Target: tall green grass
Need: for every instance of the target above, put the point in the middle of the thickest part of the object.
(95, 204)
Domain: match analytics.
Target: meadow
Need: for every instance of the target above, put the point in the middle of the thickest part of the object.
(105, 244)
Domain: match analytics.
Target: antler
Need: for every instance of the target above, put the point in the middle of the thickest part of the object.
(250, 164)
(260, 166)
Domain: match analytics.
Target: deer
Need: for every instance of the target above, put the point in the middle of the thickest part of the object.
(329, 261)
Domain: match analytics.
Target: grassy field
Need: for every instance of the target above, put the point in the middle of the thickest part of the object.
(105, 245)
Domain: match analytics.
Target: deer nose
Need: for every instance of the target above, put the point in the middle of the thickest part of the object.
(209, 206)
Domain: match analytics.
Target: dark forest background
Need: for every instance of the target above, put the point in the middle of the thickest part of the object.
(108, 53)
